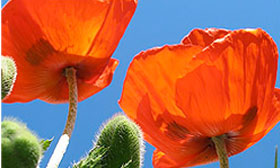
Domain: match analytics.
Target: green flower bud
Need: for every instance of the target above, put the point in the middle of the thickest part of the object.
(120, 144)
(8, 72)
(20, 148)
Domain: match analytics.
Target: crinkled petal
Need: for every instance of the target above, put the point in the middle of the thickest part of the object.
(205, 37)
(118, 18)
(226, 88)
(74, 27)
(237, 78)
(44, 37)
(162, 160)
(48, 82)
(57, 92)
(149, 90)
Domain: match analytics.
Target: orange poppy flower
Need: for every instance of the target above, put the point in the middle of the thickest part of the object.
(44, 37)
(217, 82)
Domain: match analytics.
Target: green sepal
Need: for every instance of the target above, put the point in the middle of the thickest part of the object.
(20, 147)
(45, 144)
(121, 143)
(93, 159)
(8, 75)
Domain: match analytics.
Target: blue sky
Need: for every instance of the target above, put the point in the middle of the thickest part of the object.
(155, 23)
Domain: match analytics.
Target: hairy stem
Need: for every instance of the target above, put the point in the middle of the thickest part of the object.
(221, 150)
(63, 142)
(73, 100)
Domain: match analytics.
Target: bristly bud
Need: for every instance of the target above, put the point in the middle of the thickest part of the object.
(8, 75)
(20, 148)
(119, 144)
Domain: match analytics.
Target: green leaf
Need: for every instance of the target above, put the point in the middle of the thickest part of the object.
(45, 143)
(8, 75)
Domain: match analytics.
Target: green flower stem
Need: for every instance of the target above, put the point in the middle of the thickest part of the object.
(221, 150)
(276, 157)
(63, 142)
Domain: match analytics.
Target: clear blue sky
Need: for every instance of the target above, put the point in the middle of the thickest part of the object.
(155, 23)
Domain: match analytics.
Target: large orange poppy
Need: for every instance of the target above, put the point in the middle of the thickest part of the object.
(217, 82)
(44, 37)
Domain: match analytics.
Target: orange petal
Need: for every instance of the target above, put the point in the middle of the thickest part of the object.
(162, 160)
(276, 101)
(154, 73)
(74, 27)
(44, 37)
(247, 61)
(226, 88)
(118, 17)
(265, 121)
(59, 92)
(205, 37)
(149, 94)
(68, 25)
(201, 95)
(51, 86)
(274, 114)
(243, 65)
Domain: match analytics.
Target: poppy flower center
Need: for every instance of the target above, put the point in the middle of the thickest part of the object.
(226, 138)
(65, 69)
(42, 54)
(231, 139)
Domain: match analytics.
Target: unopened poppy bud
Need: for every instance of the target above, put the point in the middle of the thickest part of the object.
(8, 75)
(119, 144)
(20, 148)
